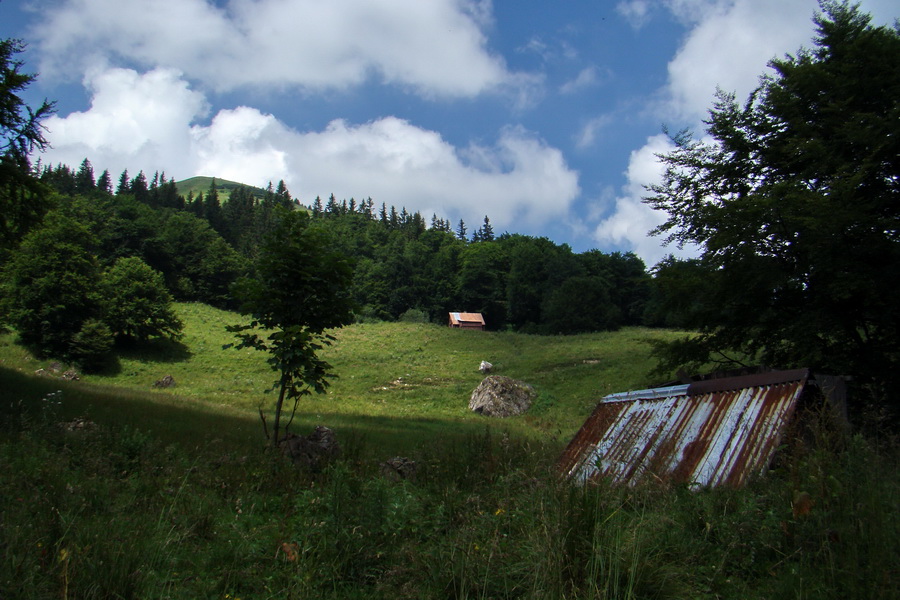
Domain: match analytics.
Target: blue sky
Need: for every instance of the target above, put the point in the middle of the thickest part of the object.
(546, 117)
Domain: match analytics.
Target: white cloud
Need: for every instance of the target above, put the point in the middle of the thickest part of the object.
(730, 48)
(636, 12)
(517, 181)
(134, 121)
(588, 133)
(632, 220)
(586, 78)
(436, 48)
(149, 122)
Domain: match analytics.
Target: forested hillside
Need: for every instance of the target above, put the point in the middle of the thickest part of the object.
(405, 266)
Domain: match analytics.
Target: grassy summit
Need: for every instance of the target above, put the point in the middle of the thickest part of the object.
(200, 185)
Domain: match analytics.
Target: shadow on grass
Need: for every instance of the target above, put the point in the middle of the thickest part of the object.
(156, 350)
(197, 425)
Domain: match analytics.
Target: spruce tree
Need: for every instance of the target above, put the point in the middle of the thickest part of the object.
(461, 230)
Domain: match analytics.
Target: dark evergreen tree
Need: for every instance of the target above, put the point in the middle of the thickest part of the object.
(84, 179)
(124, 186)
(487, 232)
(212, 207)
(317, 207)
(461, 230)
(139, 188)
(23, 198)
(331, 207)
(283, 195)
(195, 205)
(104, 183)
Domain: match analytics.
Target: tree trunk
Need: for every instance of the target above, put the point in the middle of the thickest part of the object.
(284, 383)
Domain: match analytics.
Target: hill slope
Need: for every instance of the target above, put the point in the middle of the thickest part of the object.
(391, 376)
(200, 185)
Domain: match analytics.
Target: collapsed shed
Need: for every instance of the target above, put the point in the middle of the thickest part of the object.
(466, 320)
(705, 433)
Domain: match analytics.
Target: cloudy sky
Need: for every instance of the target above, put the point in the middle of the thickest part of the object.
(546, 117)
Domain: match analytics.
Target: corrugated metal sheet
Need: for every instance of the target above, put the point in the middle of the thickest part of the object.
(708, 433)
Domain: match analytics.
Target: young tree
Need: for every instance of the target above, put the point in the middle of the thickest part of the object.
(796, 205)
(300, 289)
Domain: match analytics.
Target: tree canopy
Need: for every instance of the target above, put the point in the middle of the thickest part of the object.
(795, 201)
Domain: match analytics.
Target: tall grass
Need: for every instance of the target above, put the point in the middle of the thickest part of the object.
(112, 512)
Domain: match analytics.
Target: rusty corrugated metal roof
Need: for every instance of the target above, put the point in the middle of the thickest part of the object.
(719, 431)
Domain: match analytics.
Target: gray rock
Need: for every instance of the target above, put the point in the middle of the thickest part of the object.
(313, 451)
(399, 468)
(499, 396)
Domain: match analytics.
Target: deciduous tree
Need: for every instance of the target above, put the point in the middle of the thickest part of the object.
(299, 291)
(795, 201)
(136, 304)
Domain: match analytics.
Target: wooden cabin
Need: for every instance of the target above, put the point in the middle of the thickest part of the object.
(464, 320)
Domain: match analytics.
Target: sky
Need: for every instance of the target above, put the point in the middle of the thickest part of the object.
(545, 117)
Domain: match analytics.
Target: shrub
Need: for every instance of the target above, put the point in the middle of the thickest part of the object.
(137, 305)
(90, 348)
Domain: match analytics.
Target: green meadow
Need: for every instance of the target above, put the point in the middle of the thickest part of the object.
(413, 379)
(171, 493)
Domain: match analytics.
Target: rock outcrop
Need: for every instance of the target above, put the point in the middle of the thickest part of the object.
(499, 396)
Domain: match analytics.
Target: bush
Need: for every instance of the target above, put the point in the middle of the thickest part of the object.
(90, 347)
(137, 305)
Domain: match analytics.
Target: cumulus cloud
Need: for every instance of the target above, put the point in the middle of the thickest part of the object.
(631, 220)
(730, 47)
(435, 48)
(133, 120)
(152, 122)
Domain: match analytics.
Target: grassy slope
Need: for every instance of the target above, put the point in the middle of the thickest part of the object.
(413, 379)
(110, 512)
(200, 185)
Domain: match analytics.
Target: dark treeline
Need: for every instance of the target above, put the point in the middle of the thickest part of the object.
(405, 267)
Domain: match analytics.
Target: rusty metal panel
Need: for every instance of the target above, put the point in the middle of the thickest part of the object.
(718, 432)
